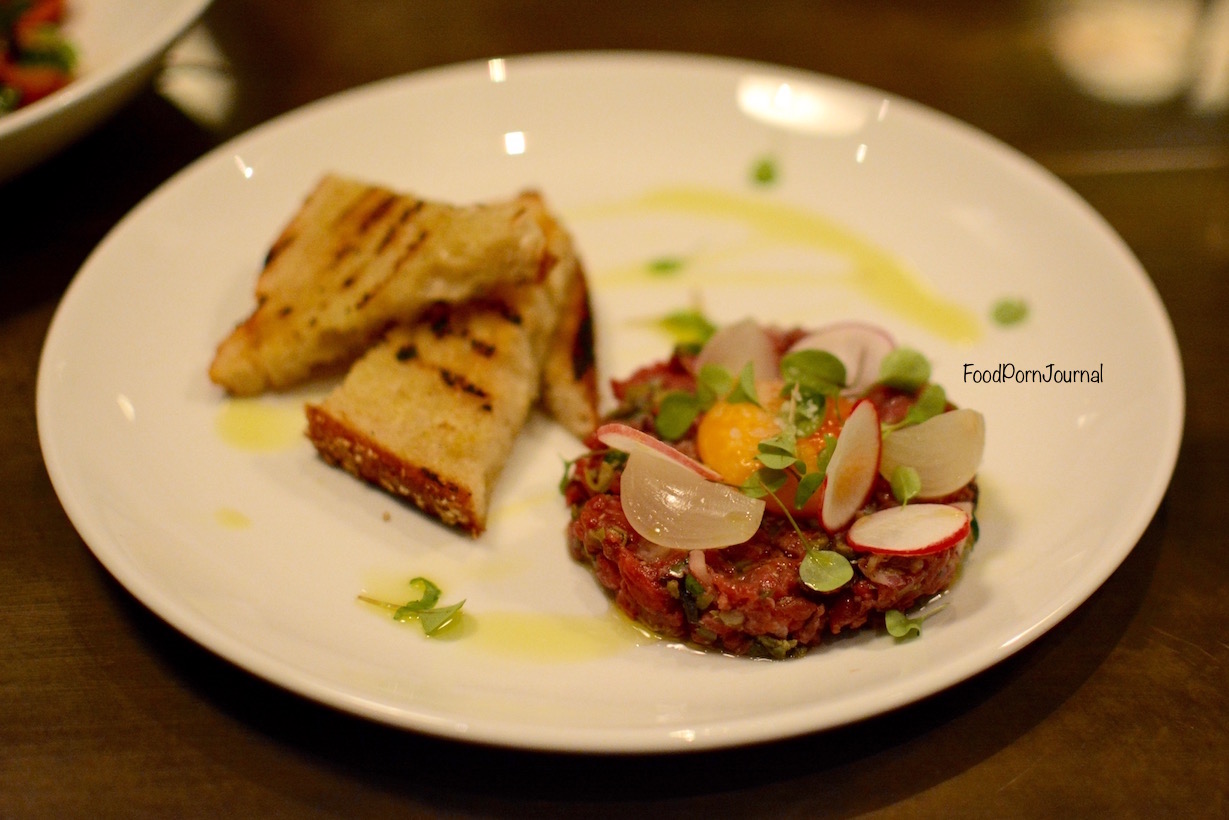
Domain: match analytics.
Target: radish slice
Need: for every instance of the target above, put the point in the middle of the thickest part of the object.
(852, 469)
(946, 451)
(735, 345)
(860, 347)
(630, 440)
(669, 504)
(915, 529)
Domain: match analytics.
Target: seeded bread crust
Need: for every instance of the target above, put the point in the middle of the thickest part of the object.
(342, 446)
(431, 412)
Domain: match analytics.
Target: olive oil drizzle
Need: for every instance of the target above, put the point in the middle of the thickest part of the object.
(872, 271)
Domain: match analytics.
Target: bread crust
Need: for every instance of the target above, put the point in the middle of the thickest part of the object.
(431, 412)
(342, 446)
(449, 322)
(569, 374)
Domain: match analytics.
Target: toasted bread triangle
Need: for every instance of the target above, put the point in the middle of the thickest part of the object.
(431, 412)
(357, 258)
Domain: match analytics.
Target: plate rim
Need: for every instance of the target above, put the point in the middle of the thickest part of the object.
(730, 734)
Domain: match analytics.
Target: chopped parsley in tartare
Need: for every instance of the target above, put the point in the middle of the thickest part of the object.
(765, 488)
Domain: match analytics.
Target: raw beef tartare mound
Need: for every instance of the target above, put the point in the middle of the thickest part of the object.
(774, 487)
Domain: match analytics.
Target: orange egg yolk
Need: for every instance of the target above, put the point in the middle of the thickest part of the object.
(728, 438)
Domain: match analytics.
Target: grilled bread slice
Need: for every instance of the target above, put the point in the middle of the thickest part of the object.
(357, 258)
(431, 412)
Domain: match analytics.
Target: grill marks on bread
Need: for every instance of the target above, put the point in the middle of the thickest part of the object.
(431, 411)
(428, 420)
(356, 258)
(451, 323)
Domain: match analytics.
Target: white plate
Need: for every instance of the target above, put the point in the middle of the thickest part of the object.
(118, 43)
(260, 555)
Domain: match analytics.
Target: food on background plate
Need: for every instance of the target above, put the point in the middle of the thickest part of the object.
(777, 486)
(451, 323)
(35, 59)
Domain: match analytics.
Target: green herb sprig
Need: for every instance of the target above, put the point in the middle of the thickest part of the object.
(432, 618)
(901, 626)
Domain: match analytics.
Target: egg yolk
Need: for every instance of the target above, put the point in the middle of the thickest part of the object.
(728, 438)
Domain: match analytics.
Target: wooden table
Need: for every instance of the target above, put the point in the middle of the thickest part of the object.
(1121, 710)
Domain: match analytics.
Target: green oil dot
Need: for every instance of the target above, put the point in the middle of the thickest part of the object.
(1009, 311)
(765, 171)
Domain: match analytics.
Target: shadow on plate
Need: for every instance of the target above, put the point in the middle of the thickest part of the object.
(848, 770)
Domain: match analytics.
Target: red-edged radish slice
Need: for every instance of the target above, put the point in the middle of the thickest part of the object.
(669, 504)
(630, 440)
(915, 529)
(733, 346)
(946, 451)
(852, 469)
(860, 347)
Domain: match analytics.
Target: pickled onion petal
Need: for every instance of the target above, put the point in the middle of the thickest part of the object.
(669, 504)
(946, 451)
(735, 345)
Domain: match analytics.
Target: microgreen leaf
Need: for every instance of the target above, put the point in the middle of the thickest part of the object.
(814, 371)
(783, 443)
(825, 455)
(423, 608)
(764, 482)
(904, 368)
(808, 485)
(779, 461)
(687, 327)
(714, 380)
(433, 620)
(744, 390)
(428, 598)
(906, 484)
(931, 402)
(825, 570)
(900, 625)
(675, 414)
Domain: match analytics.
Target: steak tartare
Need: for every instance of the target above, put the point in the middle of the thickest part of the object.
(807, 570)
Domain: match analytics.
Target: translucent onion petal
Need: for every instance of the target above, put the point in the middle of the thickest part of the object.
(668, 504)
(946, 451)
(735, 345)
